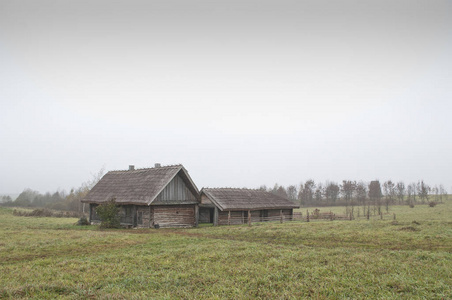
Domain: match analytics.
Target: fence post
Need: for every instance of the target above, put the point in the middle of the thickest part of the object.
(307, 215)
(394, 216)
(281, 214)
(229, 218)
(249, 218)
(381, 215)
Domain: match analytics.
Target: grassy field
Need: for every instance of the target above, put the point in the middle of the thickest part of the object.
(376, 259)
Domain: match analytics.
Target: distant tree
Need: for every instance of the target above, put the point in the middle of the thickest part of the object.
(375, 194)
(25, 198)
(443, 192)
(389, 192)
(332, 192)
(361, 195)
(275, 188)
(73, 200)
(318, 194)
(6, 199)
(400, 189)
(423, 191)
(292, 192)
(281, 191)
(411, 194)
(300, 193)
(263, 187)
(348, 189)
(308, 192)
(435, 191)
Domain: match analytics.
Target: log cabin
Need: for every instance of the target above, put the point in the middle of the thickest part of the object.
(163, 196)
(228, 206)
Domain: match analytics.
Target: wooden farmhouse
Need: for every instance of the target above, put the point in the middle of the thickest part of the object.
(167, 197)
(224, 206)
(153, 197)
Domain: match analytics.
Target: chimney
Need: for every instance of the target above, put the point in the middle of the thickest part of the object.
(131, 168)
(157, 165)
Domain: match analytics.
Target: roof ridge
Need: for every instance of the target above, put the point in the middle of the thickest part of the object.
(151, 168)
(230, 188)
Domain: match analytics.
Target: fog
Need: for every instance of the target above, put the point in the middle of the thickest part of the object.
(242, 93)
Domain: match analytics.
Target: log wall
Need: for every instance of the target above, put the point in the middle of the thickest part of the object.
(144, 216)
(174, 215)
(236, 218)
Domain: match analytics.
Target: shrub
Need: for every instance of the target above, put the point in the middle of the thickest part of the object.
(411, 205)
(108, 213)
(432, 204)
(83, 221)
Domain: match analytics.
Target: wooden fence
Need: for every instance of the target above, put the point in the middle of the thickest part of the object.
(317, 215)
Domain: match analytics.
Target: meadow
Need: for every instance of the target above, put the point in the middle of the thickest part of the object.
(410, 258)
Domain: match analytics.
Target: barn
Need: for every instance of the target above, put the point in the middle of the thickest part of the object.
(163, 196)
(223, 206)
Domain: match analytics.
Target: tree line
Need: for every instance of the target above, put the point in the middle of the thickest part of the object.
(348, 193)
(353, 193)
(59, 200)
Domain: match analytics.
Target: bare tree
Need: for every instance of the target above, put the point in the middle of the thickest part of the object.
(443, 192)
(389, 192)
(423, 191)
(361, 193)
(435, 191)
(400, 190)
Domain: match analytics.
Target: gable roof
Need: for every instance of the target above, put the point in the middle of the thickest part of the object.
(246, 199)
(139, 186)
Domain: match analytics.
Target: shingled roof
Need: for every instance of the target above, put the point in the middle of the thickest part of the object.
(246, 199)
(140, 187)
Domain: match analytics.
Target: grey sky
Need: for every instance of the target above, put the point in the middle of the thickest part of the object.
(242, 93)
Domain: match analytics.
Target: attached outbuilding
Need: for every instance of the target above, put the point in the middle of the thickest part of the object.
(223, 206)
(153, 197)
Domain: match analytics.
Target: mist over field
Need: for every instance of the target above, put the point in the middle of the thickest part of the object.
(242, 93)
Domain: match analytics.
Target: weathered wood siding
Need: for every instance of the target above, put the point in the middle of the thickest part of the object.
(237, 217)
(174, 215)
(144, 217)
(176, 190)
(206, 200)
(288, 213)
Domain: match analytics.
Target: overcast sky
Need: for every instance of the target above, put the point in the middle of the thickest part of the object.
(242, 93)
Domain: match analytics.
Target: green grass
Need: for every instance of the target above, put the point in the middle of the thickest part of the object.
(375, 259)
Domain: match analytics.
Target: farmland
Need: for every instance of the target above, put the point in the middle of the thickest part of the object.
(410, 258)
